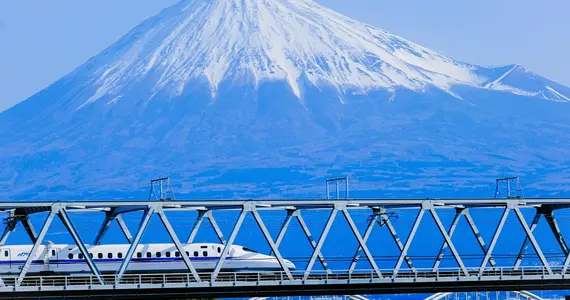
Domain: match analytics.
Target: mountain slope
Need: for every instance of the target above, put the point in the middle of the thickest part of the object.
(235, 98)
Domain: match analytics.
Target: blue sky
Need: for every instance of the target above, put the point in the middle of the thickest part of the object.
(40, 41)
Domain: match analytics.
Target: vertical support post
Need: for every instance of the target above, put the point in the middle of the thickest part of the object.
(229, 244)
(320, 243)
(129, 255)
(451, 231)
(269, 240)
(409, 240)
(533, 241)
(361, 242)
(177, 243)
(197, 224)
(494, 240)
(37, 244)
(337, 192)
(328, 190)
(346, 187)
(124, 228)
(82, 248)
(448, 241)
(524, 246)
(29, 229)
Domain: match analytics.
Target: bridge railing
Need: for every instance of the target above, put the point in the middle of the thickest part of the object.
(225, 278)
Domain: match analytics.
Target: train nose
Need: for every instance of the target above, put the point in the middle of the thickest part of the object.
(290, 265)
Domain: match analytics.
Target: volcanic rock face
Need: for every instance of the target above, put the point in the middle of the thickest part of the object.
(265, 98)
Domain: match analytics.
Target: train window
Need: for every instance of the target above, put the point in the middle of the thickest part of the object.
(249, 250)
(167, 254)
(70, 256)
(139, 254)
(99, 255)
(204, 247)
(205, 253)
(148, 254)
(196, 253)
(187, 253)
(91, 254)
(6, 253)
(109, 255)
(80, 255)
(158, 254)
(52, 252)
(219, 250)
(120, 255)
(177, 254)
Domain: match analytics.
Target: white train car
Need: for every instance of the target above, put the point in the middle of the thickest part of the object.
(160, 258)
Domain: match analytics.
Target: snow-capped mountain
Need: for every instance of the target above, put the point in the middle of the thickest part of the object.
(240, 95)
(291, 40)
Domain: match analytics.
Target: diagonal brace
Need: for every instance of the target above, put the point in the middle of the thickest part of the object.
(129, 255)
(269, 240)
(450, 232)
(494, 240)
(198, 223)
(228, 245)
(408, 243)
(29, 227)
(448, 241)
(533, 241)
(322, 238)
(177, 243)
(361, 242)
(77, 239)
(32, 255)
(524, 246)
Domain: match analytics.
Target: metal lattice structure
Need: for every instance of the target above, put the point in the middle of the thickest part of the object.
(404, 276)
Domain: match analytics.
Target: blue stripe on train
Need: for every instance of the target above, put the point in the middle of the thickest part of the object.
(143, 259)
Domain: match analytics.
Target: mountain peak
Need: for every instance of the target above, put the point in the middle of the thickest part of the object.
(289, 40)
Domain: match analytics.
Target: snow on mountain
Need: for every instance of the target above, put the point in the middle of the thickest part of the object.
(237, 97)
(522, 82)
(271, 40)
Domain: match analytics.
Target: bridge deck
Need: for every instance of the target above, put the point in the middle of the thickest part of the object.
(256, 284)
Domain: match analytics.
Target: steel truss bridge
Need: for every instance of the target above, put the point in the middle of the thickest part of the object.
(403, 277)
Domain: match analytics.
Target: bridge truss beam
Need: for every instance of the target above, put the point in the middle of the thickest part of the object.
(115, 210)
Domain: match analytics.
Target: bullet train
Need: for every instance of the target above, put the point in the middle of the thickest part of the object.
(67, 259)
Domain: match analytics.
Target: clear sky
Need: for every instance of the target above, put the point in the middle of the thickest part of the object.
(40, 41)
